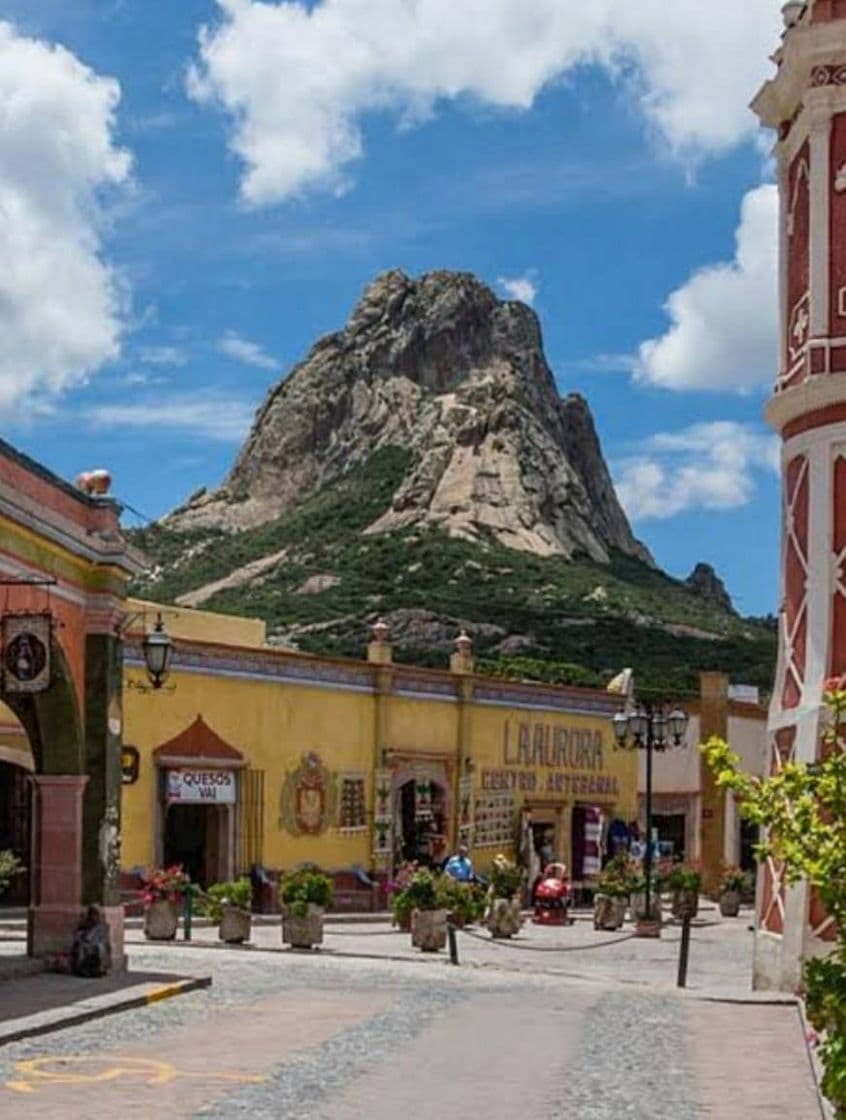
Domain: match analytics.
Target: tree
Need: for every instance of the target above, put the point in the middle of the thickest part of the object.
(802, 808)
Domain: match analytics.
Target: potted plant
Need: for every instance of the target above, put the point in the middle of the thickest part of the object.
(615, 885)
(163, 891)
(465, 902)
(646, 924)
(401, 904)
(425, 894)
(228, 904)
(304, 894)
(504, 918)
(684, 881)
(733, 882)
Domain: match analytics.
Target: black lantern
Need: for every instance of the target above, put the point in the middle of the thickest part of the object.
(157, 649)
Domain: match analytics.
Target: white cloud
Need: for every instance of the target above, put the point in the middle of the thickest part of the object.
(163, 356)
(524, 288)
(710, 466)
(243, 350)
(724, 332)
(296, 79)
(203, 414)
(62, 307)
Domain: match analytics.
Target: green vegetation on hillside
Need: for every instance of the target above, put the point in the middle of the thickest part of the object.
(574, 622)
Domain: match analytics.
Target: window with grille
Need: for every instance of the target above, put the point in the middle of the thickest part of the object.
(352, 804)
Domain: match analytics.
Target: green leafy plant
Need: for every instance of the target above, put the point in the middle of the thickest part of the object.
(10, 866)
(236, 893)
(682, 876)
(620, 877)
(303, 887)
(803, 809)
(421, 892)
(465, 901)
(506, 877)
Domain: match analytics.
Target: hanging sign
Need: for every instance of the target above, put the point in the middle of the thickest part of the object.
(26, 652)
(197, 787)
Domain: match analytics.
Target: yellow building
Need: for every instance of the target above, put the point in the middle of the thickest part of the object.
(255, 756)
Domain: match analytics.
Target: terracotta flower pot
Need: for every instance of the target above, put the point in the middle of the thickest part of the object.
(235, 925)
(303, 932)
(161, 920)
(504, 918)
(730, 904)
(429, 930)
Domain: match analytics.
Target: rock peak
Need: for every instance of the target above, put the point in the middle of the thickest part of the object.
(443, 367)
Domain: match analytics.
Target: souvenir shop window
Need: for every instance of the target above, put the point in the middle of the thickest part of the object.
(352, 809)
(493, 820)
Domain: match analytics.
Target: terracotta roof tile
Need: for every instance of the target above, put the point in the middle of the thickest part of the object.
(198, 741)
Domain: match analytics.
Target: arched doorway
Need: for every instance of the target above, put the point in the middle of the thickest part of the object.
(16, 828)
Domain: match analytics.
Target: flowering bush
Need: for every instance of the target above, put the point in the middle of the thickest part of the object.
(168, 883)
(304, 887)
(620, 877)
(683, 876)
(803, 809)
(733, 879)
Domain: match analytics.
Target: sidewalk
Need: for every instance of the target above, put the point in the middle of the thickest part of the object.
(46, 1002)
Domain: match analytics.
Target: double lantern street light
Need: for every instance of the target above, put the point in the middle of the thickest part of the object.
(650, 727)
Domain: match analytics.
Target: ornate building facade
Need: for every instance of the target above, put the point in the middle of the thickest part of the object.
(805, 102)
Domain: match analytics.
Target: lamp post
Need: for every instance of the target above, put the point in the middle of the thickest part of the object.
(650, 727)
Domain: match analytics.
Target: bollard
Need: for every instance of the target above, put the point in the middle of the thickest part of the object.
(187, 902)
(453, 943)
(684, 952)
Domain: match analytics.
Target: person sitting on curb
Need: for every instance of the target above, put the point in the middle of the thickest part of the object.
(91, 953)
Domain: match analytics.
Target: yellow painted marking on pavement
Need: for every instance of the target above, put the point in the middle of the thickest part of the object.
(42, 1073)
(164, 992)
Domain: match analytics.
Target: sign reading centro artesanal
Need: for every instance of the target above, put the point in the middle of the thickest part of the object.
(191, 787)
(548, 758)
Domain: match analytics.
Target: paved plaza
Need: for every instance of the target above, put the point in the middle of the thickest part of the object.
(531, 1031)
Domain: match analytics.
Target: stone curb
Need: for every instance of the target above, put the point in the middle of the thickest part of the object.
(98, 1007)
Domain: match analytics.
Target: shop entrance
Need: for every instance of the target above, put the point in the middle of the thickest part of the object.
(15, 814)
(422, 822)
(195, 837)
(671, 828)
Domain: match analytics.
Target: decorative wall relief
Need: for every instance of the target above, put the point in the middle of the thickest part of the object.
(383, 825)
(309, 795)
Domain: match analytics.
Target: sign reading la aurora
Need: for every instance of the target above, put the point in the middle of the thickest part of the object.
(192, 787)
(573, 757)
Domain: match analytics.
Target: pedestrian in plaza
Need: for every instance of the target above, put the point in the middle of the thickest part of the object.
(460, 866)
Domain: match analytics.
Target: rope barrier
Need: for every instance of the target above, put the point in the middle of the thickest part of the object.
(505, 944)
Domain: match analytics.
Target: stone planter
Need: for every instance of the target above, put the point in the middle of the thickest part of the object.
(235, 925)
(303, 932)
(685, 904)
(161, 920)
(730, 904)
(609, 913)
(637, 906)
(429, 930)
(504, 918)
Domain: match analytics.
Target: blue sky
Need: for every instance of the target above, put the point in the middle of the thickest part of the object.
(188, 233)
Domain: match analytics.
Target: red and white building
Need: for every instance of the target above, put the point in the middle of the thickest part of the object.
(806, 103)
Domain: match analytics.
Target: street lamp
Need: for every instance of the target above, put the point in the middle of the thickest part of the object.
(157, 650)
(650, 727)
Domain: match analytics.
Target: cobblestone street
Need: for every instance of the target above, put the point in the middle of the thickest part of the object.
(510, 1033)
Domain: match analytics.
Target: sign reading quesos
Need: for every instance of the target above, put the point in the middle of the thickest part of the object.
(551, 759)
(191, 787)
